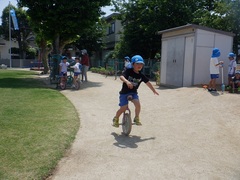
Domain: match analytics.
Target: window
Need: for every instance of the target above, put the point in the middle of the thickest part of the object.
(111, 28)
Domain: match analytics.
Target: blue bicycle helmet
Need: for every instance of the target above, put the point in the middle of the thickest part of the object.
(231, 55)
(216, 53)
(126, 57)
(64, 57)
(137, 59)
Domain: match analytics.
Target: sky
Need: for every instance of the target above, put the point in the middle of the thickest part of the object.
(4, 3)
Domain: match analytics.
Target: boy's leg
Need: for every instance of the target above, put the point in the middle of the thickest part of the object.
(86, 70)
(118, 114)
(74, 81)
(123, 103)
(62, 80)
(210, 85)
(121, 110)
(83, 71)
(214, 84)
(137, 105)
(229, 80)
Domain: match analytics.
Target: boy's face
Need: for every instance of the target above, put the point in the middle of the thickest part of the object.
(238, 76)
(137, 66)
(230, 58)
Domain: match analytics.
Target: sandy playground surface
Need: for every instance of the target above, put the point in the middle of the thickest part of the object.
(187, 133)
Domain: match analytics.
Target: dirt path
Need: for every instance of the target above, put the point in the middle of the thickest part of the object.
(187, 133)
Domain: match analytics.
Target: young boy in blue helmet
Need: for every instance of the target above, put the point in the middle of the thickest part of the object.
(231, 68)
(214, 69)
(132, 79)
(63, 69)
(127, 63)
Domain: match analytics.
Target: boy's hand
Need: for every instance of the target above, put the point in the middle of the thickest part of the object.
(130, 85)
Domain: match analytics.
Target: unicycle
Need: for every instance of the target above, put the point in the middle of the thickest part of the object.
(127, 120)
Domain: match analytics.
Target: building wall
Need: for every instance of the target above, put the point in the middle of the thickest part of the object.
(205, 42)
(111, 38)
(4, 48)
(198, 45)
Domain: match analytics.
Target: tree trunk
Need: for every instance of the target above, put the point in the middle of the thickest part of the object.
(56, 49)
(44, 55)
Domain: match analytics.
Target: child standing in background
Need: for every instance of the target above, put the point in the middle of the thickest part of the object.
(231, 68)
(77, 70)
(214, 69)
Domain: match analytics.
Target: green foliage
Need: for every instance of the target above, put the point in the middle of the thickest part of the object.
(157, 56)
(63, 22)
(31, 53)
(20, 35)
(102, 70)
(143, 18)
(92, 38)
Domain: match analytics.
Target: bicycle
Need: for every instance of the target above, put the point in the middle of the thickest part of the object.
(68, 81)
(127, 120)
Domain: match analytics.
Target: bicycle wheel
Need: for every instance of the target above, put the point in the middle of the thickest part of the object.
(126, 124)
(77, 85)
(63, 86)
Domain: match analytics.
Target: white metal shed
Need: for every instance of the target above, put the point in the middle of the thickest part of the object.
(186, 52)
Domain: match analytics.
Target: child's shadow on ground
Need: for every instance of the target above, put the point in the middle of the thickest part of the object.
(124, 141)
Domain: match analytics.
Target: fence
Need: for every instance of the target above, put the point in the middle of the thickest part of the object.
(21, 63)
(151, 66)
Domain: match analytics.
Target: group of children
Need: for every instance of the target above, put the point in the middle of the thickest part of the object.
(78, 67)
(233, 73)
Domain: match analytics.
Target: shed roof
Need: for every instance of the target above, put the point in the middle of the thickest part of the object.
(195, 27)
(111, 16)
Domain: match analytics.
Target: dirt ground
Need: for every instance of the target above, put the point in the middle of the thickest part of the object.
(187, 133)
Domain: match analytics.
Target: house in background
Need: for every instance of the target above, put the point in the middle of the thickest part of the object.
(186, 52)
(4, 48)
(113, 33)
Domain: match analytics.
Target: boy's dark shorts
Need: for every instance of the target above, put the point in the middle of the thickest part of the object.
(214, 76)
(123, 98)
(76, 73)
(63, 74)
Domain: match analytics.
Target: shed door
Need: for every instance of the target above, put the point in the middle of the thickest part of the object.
(175, 58)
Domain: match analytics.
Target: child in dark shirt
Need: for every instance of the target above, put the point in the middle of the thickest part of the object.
(132, 79)
(236, 81)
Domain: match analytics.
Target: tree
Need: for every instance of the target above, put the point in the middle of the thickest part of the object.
(62, 22)
(19, 35)
(222, 15)
(143, 18)
(91, 39)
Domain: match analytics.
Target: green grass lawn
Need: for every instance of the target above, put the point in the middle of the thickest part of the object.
(37, 125)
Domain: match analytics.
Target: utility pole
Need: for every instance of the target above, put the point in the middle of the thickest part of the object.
(10, 38)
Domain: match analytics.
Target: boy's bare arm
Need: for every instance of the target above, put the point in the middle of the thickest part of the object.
(129, 84)
(152, 88)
